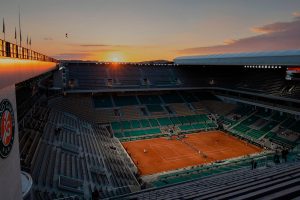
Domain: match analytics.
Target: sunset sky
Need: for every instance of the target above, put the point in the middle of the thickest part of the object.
(138, 30)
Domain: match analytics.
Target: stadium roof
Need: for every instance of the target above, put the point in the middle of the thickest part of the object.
(288, 57)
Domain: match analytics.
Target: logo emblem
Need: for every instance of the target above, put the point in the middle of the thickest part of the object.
(7, 128)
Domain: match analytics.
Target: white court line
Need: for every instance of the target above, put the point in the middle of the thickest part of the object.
(179, 156)
(172, 158)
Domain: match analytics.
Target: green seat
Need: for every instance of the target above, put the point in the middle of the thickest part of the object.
(154, 122)
(201, 118)
(211, 125)
(135, 124)
(241, 128)
(250, 120)
(183, 120)
(164, 121)
(199, 126)
(145, 123)
(118, 134)
(126, 124)
(152, 131)
(191, 119)
(269, 126)
(135, 133)
(116, 126)
(175, 120)
(255, 134)
(155, 108)
(186, 127)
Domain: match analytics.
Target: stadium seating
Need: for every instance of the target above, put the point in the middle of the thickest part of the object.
(135, 124)
(280, 140)
(256, 134)
(277, 182)
(145, 123)
(171, 98)
(155, 108)
(181, 109)
(142, 132)
(188, 96)
(102, 101)
(199, 126)
(202, 171)
(224, 120)
(164, 121)
(134, 128)
(260, 126)
(175, 120)
(241, 128)
(288, 122)
(65, 153)
(249, 121)
(278, 117)
(295, 127)
(269, 126)
(30, 135)
(130, 112)
(186, 128)
(153, 122)
(125, 100)
(149, 99)
(116, 126)
(96, 76)
(73, 146)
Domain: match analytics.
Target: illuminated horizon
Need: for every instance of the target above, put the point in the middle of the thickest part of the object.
(141, 30)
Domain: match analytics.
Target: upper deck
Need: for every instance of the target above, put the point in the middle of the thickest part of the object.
(18, 63)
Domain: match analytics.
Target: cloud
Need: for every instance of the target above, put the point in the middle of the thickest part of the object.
(275, 36)
(296, 14)
(48, 38)
(112, 46)
(276, 27)
(101, 45)
(94, 45)
(229, 41)
(71, 56)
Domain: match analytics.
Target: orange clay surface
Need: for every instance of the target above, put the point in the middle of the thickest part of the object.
(164, 155)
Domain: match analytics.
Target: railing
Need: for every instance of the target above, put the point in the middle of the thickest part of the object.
(11, 50)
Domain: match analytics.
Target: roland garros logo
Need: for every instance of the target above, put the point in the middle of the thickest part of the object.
(7, 128)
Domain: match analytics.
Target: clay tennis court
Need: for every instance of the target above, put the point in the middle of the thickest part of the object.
(164, 155)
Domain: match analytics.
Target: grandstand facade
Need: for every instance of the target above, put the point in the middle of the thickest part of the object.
(17, 64)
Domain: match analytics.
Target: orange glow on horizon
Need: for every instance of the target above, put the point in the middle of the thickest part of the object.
(132, 55)
(115, 57)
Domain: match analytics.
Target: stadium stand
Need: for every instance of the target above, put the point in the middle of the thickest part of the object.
(125, 100)
(130, 75)
(102, 101)
(277, 182)
(71, 157)
(72, 144)
(184, 123)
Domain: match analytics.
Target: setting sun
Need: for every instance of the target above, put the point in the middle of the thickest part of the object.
(115, 57)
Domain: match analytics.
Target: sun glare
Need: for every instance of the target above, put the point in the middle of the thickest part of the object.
(115, 57)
